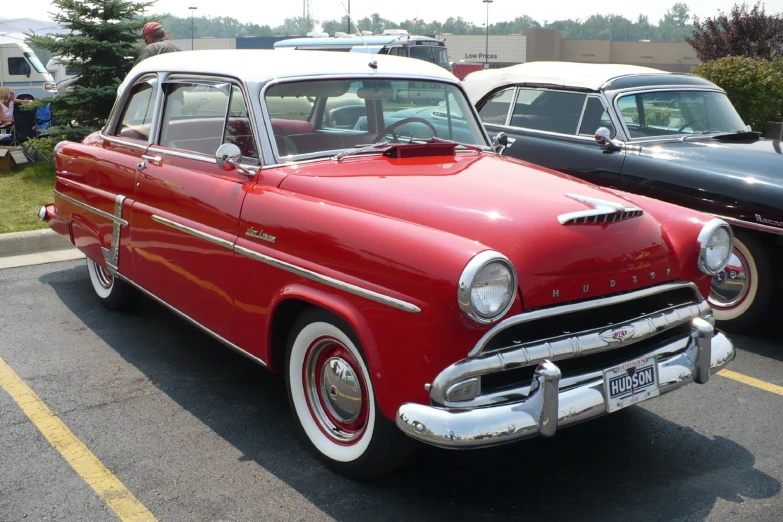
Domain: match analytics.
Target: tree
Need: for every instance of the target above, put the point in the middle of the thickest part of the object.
(674, 26)
(743, 32)
(103, 39)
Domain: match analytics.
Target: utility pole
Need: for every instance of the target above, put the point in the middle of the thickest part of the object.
(486, 49)
(192, 26)
(349, 17)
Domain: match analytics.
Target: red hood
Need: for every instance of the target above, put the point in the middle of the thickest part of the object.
(508, 206)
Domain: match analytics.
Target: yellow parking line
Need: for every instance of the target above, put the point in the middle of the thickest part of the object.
(751, 381)
(105, 484)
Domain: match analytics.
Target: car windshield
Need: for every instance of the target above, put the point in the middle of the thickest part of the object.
(665, 113)
(326, 116)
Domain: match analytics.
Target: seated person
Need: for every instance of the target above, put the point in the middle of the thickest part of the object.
(7, 101)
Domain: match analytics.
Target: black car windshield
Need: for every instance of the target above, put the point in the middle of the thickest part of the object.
(320, 117)
(665, 113)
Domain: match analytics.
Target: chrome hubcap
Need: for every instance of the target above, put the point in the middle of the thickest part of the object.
(730, 286)
(104, 278)
(335, 391)
(341, 391)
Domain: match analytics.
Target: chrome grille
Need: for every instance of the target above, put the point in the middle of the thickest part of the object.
(586, 335)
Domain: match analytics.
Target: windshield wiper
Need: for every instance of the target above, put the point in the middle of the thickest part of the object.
(360, 149)
(475, 148)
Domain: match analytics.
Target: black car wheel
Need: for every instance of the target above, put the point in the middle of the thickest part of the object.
(741, 293)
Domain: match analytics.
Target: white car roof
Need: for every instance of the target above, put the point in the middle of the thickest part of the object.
(560, 74)
(254, 65)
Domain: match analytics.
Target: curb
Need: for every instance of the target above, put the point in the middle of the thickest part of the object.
(21, 243)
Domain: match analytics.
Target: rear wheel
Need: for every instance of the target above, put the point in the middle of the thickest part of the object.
(112, 293)
(741, 293)
(333, 399)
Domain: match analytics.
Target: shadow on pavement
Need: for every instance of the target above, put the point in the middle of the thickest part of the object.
(633, 465)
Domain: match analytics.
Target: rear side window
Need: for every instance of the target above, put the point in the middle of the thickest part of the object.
(550, 111)
(137, 114)
(194, 116)
(18, 66)
(495, 111)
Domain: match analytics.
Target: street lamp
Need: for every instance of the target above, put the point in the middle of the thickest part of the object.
(192, 27)
(349, 18)
(486, 50)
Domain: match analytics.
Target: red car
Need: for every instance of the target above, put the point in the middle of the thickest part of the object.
(344, 219)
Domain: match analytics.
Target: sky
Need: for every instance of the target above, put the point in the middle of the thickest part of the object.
(273, 12)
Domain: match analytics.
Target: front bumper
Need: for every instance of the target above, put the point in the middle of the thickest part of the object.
(548, 408)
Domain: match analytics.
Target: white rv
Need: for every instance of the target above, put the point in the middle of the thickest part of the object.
(21, 69)
(64, 73)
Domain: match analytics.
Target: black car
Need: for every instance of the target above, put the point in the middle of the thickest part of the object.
(673, 137)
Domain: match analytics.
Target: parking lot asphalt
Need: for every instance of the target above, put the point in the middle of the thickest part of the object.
(196, 432)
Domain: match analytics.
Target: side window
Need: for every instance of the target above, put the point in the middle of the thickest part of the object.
(18, 66)
(137, 115)
(550, 111)
(495, 111)
(595, 116)
(238, 128)
(194, 116)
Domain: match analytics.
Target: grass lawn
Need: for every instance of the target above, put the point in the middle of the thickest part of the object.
(22, 193)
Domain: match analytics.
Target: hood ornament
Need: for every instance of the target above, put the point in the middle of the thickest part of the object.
(602, 212)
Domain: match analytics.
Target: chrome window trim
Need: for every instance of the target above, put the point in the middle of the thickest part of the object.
(544, 133)
(90, 208)
(183, 77)
(192, 321)
(328, 281)
(749, 224)
(193, 232)
(662, 88)
(391, 77)
(581, 117)
(125, 142)
(120, 104)
(576, 307)
(288, 267)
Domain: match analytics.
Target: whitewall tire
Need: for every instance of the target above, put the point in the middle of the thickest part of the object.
(112, 293)
(741, 293)
(333, 399)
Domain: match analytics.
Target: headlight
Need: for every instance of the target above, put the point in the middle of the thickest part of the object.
(716, 242)
(487, 287)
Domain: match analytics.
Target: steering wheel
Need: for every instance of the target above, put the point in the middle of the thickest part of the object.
(690, 122)
(390, 128)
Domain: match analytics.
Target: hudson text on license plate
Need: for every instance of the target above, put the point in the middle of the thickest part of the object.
(631, 382)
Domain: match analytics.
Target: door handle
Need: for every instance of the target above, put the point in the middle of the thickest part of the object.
(155, 160)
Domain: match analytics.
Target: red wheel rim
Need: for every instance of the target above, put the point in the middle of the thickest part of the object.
(105, 279)
(335, 390)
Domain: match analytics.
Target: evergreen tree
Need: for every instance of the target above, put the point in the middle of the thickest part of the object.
(104, 39)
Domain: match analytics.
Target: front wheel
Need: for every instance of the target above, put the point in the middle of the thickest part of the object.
(112, 293)
(332, 396)
(741, 293)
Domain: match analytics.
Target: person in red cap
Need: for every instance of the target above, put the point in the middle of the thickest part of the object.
(155, 37)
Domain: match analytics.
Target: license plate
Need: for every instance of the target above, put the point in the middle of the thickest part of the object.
(631, 382)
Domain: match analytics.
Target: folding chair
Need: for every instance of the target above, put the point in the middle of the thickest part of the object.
(24, 129)
(43, 118)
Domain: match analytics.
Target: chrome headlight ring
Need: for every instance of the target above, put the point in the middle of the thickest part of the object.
(711, 232)
(488, 259)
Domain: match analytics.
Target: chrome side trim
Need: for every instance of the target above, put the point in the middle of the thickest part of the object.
(288, 267)
(751, 225)
(112, 255)
(548, 408)
(329, 281)
(575, 307)
(194, 322)
(193, 232)
(90, 208)
(564, 347)
(180, 154)
(124, 143)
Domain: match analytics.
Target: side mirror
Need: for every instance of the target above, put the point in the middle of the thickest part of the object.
(604, 138)
(501, 142)
(228, 157)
